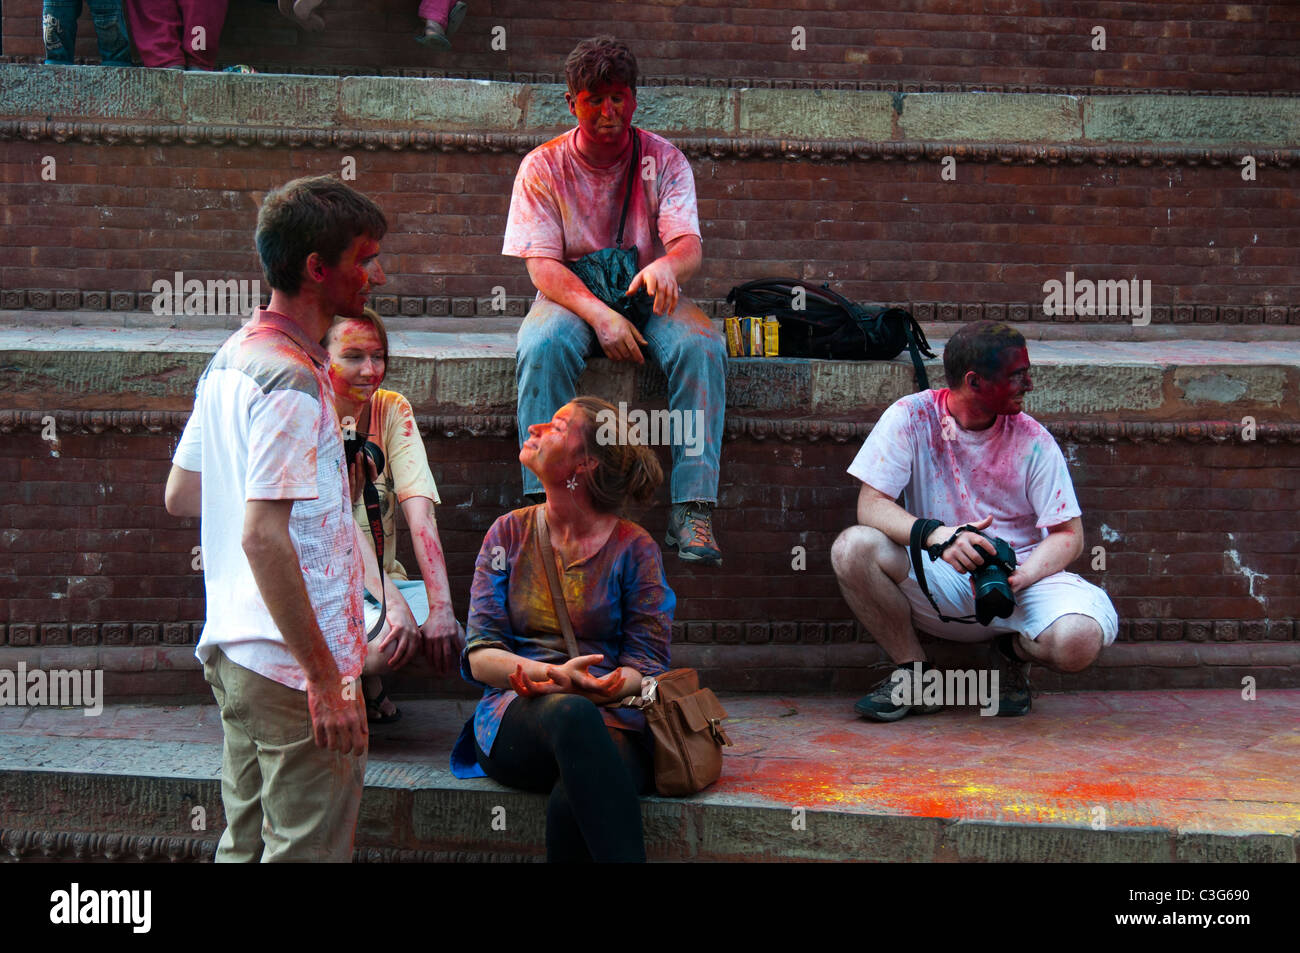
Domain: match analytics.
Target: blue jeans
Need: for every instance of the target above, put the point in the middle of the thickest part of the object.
(551, 354)
(59, 25)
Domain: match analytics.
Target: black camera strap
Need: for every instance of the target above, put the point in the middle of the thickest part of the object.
(627, 192)
(921, 531)
(374, 516)
(371, 497)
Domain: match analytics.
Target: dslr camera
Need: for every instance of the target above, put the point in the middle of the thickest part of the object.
(993, 595)
(353, 444)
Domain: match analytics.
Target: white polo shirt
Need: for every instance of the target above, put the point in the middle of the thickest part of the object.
(264, 427)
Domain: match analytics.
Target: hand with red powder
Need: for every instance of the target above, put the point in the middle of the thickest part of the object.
(443, 640)
(404, 635)
(659, 278)
(572, 678)
(619, 338)
(338, 722)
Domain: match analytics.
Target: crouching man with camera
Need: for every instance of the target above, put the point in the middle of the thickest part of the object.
(978, 548)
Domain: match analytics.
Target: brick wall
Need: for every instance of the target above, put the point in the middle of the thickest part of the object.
(1201, 553)
(1242, 47)
(120, 217)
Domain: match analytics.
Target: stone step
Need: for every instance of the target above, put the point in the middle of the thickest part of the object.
(1175, 379)
(1142, 776)
(297, 104)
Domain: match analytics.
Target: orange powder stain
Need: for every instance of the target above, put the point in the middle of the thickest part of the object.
(967, 794)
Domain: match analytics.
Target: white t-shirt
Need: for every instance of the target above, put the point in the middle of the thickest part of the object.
(1013, 470)
(264, 427)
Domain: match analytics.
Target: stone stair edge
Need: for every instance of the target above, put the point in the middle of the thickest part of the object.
(1173, 380)
(734, 81)
(493, 107)
(1034, 329)
(413, 817)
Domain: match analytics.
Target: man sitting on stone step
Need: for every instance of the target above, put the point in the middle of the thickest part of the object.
(261, 463)
(967, 456)
(568, 201)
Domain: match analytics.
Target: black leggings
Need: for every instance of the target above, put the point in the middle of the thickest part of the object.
(560, 744)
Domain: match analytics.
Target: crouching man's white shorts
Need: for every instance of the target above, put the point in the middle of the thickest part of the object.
(1037, 606)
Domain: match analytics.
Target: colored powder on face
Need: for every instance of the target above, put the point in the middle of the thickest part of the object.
(354, 339)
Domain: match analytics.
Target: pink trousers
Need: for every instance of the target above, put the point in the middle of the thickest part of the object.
(436, 10)
(177, 32)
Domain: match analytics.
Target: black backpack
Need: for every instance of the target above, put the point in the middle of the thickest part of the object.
(831, 326)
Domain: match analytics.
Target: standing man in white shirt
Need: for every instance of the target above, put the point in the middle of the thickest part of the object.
(967, 456)
(261, 463)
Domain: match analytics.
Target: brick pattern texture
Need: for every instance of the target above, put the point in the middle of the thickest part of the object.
(1237, 47)
(120, 217)
(1202, 543)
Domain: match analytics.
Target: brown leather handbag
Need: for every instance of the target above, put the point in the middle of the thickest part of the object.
(684, 719)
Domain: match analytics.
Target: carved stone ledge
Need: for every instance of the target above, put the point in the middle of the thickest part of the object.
(22, 844)
(809, 430)
(816, 150)
(531, 77)
(727, 631)
(438, 306)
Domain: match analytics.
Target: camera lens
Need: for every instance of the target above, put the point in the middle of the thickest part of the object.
(993, 596)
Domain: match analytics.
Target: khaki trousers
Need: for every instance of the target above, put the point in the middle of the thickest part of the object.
(285, 798)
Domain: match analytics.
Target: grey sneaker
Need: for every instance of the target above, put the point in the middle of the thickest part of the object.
(879, 704)
(690, 529)
(1014, 693)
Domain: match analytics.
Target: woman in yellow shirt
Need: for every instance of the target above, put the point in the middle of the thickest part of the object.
(420, 629)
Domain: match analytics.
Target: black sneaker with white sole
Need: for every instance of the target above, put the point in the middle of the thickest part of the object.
(880, 703)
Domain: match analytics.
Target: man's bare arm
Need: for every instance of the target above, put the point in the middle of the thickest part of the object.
(663, 276)
(881, 512)
(618, 337)
(339, 723)
(184, 493)
(1062, 546)
(557, 281)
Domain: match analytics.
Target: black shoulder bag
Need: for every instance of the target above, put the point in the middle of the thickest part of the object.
(829, 325)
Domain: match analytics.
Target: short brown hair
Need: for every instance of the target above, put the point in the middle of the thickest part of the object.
(368, 316)
(623, 469)
(600, 61)
(315, 214)
(978, 347)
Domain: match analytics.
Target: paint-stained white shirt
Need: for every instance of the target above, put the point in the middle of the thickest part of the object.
(1013, 470)
(264, 427)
